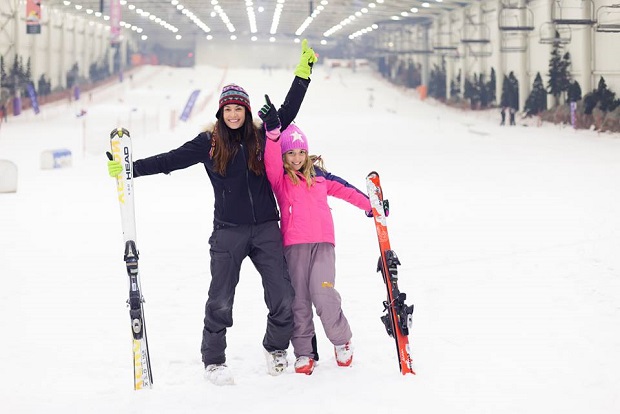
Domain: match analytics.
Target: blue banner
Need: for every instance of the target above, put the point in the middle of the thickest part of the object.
(17, 105)
(33, 98)
(189, 105)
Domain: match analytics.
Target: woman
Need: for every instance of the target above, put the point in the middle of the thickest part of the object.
(245, 219)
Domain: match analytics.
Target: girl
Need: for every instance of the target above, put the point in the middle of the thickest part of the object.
(301, 186)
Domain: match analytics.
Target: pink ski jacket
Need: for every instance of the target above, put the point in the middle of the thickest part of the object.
(306, 216)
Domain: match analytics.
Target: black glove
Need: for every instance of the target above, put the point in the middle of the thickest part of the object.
(386, 209)
(269, 115)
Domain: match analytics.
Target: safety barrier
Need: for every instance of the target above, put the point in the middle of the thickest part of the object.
(57, 158)
(8, 177)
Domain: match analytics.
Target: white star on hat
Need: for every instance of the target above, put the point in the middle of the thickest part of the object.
(297, 137)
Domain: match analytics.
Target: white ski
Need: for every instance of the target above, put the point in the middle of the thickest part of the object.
(120, 145)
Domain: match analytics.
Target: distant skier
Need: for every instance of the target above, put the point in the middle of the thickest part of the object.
(3, 113)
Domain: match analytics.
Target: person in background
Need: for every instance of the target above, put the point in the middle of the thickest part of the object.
(302, 185)
(3, 113)
(245, 218)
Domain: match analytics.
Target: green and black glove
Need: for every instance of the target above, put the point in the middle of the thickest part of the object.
(114, 167)
(269, 115)
(307, 60)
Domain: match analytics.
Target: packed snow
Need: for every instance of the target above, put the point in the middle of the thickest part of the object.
(508, 238)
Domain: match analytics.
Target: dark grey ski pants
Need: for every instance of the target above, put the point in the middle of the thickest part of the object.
(262, 243)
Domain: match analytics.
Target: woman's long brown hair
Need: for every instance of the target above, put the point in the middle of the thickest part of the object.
(225, 144)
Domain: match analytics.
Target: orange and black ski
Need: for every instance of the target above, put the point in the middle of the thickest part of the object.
(398, 316)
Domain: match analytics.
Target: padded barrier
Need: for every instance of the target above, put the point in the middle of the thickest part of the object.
(8, 177)
(57, 158)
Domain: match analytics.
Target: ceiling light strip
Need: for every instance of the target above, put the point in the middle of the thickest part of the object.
(311, 18)
(352, 18)
(223, 16)
(276, 17)
(249, 6)
(187, 12)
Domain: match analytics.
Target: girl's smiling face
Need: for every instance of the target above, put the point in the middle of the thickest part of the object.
(295, 158)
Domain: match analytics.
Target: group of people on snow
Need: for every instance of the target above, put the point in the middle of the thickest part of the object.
(248, 162)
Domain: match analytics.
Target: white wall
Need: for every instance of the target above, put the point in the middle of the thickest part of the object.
(255, 55)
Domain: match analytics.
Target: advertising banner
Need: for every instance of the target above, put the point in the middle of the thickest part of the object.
(32, 94)
(189, 105)
(115, 22)
(33, 16)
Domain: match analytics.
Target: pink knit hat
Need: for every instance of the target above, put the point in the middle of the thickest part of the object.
(293, 138)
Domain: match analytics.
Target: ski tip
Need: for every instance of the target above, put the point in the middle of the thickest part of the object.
(370, 174)
(119, 132)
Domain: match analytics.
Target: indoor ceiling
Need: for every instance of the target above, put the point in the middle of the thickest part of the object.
(333, 20)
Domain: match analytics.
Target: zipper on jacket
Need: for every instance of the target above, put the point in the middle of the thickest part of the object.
(247, 182)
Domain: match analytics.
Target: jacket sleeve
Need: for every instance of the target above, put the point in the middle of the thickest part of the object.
(274, 166)
(188, 154)
(295, 96)
(339, 188)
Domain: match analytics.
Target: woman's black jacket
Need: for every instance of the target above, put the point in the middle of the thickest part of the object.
(241, 197)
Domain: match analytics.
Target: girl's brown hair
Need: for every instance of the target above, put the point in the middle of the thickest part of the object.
(225, 144)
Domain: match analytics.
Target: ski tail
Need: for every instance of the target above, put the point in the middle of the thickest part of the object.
(143, 375)
(397, 318)
(120, 145)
